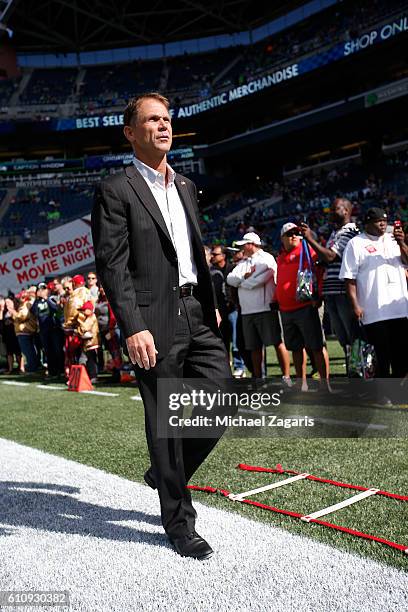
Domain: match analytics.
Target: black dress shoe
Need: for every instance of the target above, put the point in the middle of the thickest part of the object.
(192, 545)
(148, 478)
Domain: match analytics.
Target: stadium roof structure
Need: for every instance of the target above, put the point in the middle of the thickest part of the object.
(63, 26)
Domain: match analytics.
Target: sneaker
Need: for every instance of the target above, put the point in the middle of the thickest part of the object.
(239, 373)
(304, 387)
(287, 381)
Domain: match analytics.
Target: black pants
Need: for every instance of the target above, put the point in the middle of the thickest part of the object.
(196, 353)
(54, 351)
(92, 363)
(390, 340)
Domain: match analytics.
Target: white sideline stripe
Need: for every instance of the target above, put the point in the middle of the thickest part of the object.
(120, 548)
(15, 383)
(52, 387)
(136, 397)
(104, 393)
(275, 485)
(343, 504)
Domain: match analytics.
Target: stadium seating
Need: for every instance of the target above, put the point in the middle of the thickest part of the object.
(194, 76)
(106, 85)
(36, 209)
(310, 195)
(49, 86)
(7, 88)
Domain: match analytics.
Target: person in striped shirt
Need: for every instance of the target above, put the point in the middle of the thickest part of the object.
(334, 290)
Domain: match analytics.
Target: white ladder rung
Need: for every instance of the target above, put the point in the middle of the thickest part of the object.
(343, 504)
(275, 485)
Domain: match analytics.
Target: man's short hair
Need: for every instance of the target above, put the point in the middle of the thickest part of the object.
(133, 106)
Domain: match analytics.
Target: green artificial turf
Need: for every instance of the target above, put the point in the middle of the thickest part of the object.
(108, 433)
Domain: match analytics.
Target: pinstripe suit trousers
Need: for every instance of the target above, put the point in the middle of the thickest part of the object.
(195, 353)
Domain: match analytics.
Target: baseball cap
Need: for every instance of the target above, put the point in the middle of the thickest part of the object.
(287, 227)
(375, 214)
(87, 306)
(42, 286)
(78, 279)
(250, 238)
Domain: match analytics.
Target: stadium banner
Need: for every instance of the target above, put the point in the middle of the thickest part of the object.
(276, 76)
(69, 247)
(383, 94)
(98, 162)
(34, 165)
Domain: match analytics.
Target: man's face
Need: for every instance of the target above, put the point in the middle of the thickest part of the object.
(238, 256)
(248, 249)
(338, 211)
(150, 133)
(378, 227)
(217, 256)
(42, 293)
(291, 240)
(67, 286)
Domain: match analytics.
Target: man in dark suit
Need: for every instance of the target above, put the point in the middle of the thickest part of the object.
(150, 261)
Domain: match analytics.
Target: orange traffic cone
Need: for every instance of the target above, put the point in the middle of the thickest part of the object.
(79, 379)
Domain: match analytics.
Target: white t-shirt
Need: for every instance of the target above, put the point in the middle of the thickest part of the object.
(375, 263)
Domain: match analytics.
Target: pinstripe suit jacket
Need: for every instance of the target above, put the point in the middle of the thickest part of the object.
(135, 258)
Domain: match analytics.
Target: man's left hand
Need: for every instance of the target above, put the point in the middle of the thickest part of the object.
(305, 231)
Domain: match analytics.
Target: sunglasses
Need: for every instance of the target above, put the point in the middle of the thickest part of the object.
(91, 277)
(292, 233)
(213, 253)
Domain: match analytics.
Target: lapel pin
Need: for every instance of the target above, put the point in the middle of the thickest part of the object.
(183, 182)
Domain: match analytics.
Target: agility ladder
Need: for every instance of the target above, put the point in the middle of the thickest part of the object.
(313, 517)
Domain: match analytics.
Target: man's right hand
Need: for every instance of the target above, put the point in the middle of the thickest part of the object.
(142, 350)
(358, 311)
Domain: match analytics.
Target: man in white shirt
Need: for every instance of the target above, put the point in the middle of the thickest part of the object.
(373, 269)
(255, 278)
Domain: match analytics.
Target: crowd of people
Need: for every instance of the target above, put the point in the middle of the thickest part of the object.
(309, 193)
(359, 277)
(54, 325)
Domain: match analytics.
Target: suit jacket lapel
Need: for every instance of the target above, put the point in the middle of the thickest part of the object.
(146, 197)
